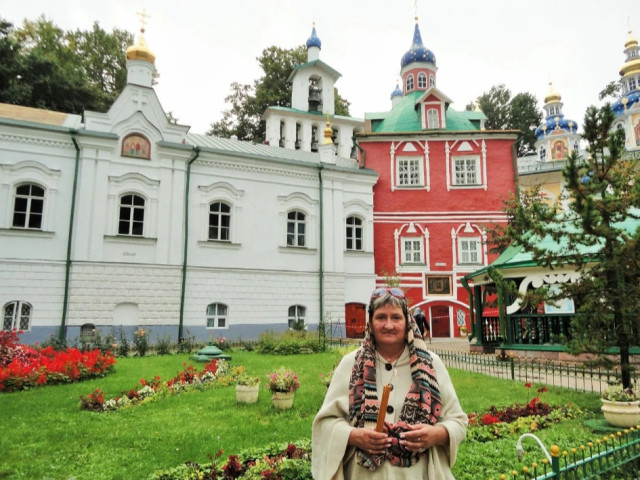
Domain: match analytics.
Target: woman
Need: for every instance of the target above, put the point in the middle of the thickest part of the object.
(423, 422)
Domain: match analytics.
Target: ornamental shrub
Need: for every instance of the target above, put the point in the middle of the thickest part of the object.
(141, 341)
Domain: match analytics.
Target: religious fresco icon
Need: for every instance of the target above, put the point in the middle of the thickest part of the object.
(635, 121)
(136, 145)
(559, 150)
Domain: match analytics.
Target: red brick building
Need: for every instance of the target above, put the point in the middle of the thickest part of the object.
(442, 181)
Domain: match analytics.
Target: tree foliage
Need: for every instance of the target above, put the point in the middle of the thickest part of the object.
(46, 67)
(598, 235)
(504, 112)
(247, 103)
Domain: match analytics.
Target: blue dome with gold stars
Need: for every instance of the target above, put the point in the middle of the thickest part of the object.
(625, 102)
(418, 52)
(555, 123)
(313, 40)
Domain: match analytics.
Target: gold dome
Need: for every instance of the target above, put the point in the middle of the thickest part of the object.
(328, 132)
(631, 42)
(140, 51)
(553, 96)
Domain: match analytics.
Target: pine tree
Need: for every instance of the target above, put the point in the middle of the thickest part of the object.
(599, 235)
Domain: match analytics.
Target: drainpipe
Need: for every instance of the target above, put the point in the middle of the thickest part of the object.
(62, 333)
(186, 241)
(321, 267)
(364, 154)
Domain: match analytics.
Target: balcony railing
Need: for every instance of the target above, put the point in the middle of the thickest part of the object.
(527, 329)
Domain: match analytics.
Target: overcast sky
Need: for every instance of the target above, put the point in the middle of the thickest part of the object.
(202, 46)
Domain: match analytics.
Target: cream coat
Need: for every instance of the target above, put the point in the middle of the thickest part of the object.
(333, 459)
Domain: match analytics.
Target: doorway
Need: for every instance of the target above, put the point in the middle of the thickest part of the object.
(355, 319)
(440, 321)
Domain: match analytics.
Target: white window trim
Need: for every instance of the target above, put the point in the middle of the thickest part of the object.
(216, 317)
(409, 159)
(133, 184)
(403, 146)
(17, 315)
(291, 319)
(450, 156)
(308, 206)
(433, 114)
(363, 210)
(361, 227)
(219, 192)
(464, 232)
(13, 175)
(411, 238)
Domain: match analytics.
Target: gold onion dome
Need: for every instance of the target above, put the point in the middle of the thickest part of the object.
(140, 51)
(633, 62)
(553, 96)
(631, 42)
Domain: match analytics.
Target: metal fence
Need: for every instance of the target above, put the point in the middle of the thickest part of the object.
(615, 456)
(576, 376)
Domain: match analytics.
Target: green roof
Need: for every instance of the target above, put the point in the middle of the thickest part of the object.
(515, 256)
(405, 117)
(320, 64)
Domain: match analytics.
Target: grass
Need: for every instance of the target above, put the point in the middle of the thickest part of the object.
(46, 435)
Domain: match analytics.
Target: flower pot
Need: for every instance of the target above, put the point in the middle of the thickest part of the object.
(247, 393)
(283, 400)
(621, 414)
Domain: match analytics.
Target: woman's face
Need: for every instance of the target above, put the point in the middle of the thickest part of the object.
(389, 328)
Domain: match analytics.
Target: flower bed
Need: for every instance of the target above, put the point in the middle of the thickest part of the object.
(23, 367)
(216, 372)
(517, 419)
(273, 462)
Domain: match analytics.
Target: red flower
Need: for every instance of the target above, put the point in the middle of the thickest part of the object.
(528, 385)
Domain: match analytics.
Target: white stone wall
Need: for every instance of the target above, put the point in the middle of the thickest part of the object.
(96, 289)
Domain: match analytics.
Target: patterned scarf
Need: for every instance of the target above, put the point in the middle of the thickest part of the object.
(421, 405)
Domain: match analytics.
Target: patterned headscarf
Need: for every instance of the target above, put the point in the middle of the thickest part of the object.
(421, 405)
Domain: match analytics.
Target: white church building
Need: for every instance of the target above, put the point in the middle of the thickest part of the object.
(125, 219)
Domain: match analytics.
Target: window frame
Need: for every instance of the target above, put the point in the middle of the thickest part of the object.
(468, 252)
(132, 221)
(417, 247)
(409, 162)
(17, 316)
(433, 118)
(221, 313)
(354, 233)
(220, 215)
(29, 212)
(296, 238)
(422, 80)
(299, 313)
(410, 83)
(476, 172)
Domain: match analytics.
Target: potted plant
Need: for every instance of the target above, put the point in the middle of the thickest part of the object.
(247, 388)
(282, 383)
(621, 406)
(463, 330)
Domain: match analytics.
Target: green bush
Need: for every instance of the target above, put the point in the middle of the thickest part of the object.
(289, 343)
(163, 346)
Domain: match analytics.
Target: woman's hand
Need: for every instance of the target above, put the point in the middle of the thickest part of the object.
(370, 441)
(423, 436)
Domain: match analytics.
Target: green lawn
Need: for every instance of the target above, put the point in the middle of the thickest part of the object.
(45, 434)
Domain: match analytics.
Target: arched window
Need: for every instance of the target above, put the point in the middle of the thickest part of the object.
(297, 314)
(219, 221)
(354, 233)
(28, 206)
(422, 80)
(217, 316)
(409, 83)
(432, 118)
(131, 219)
(16, 316)
(296, 228)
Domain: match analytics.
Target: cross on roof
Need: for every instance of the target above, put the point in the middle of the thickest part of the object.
(143, 19)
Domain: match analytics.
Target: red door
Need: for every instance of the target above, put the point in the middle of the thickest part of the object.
(355, 319)
(440, 324)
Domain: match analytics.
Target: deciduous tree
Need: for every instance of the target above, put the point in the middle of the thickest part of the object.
(248, 102)
(511, 113)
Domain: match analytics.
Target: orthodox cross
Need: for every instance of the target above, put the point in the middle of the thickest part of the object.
(143, 19)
